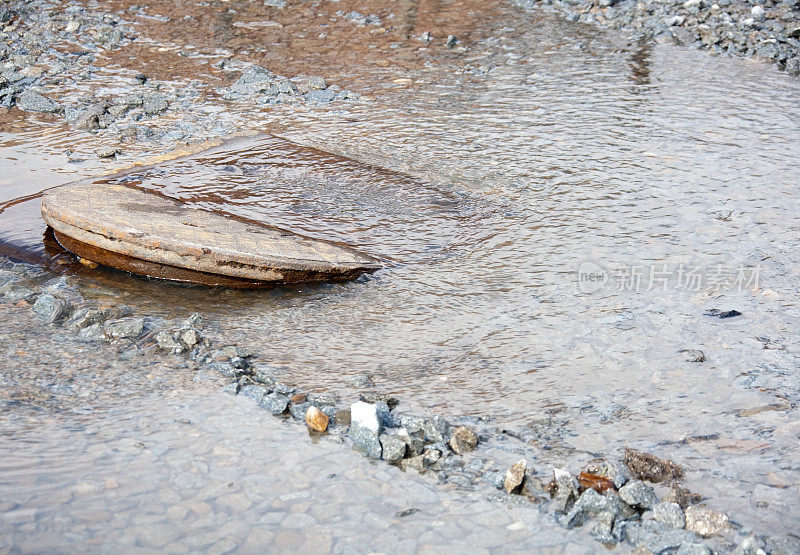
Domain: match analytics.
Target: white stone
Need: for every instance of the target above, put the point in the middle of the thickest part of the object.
(365, 415)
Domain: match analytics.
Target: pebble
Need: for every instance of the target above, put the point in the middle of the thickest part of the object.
(31, 101)
(153, 105)
(107, 152)
(275, 403)
(638, 494)
(125, 328)
(670, 514)
(49, 309)
(463, 440)
(514, 476)
(393, 447)
(365, 429)
(316, 419)
(657, 536)
(706, 522)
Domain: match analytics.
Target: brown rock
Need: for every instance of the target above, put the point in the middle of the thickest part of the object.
(645, 466)
(515, 475)
(298, 398)
(463, 440)
(316, 419)
(707, 522)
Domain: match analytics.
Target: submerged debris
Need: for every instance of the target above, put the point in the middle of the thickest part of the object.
(645, 466)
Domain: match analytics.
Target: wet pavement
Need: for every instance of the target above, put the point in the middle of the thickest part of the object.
(485, 175)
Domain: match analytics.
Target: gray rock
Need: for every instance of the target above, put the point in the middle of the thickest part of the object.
(451, 41)
(255, 392)
(496, 478)
(126, 328)
(590, 503)
(638, 494)
(437, 429)
(414, 463)
(321, 96)
(566, 486)
(793, 65)
(93, 332)
(34, 102)
(617, 507)
(783, 545)
(232, 351)
(154, 104)
(49, 309)
(284, 389)
(675, 20)
(657, 536)
(365, 441)
(670, 514)
(275, 403)
(414, 442)
(365, 429)
(298, 410)
(232, 388)
(693, 548)
(393, 448)
(224, 368)
(758, 14)
(166, 342)
(751, 545)
(89, 119)
(461, 480)
(86, 317)
(190, 337)
(603, 528)
(385, 414)
(107, 152)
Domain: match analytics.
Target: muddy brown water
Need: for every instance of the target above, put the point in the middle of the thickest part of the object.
(485, 179)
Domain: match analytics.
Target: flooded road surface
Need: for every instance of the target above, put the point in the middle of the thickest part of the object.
(486, 178)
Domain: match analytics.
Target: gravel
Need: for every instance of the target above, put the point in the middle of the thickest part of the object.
(769, 30)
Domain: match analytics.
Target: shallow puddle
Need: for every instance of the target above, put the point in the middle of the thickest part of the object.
(486, 179)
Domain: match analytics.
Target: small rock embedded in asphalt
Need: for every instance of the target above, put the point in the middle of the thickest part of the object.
(31, 101)
(316, 419)
(451, 41)
(638, 494)
(463, 440)
(515, 475)
(706, 522)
